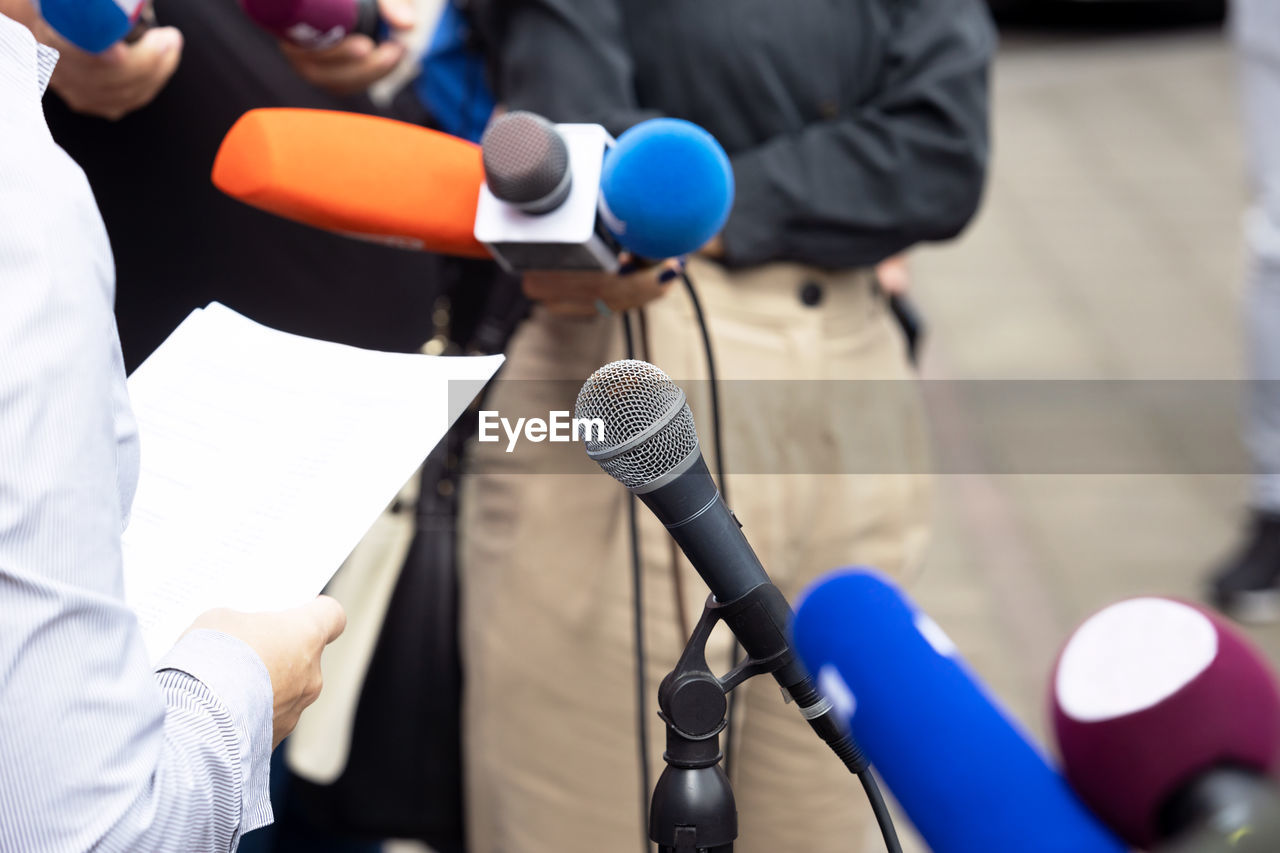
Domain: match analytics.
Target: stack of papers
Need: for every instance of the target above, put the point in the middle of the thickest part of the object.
(265, 458)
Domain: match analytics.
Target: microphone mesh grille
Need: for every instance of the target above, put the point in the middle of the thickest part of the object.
(631, 396)
(525, 158)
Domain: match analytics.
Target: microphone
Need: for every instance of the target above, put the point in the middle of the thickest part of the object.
(93, 25)
(1168, 723)
(526, 162)
(650, 445)
(538, 205)
(677, 155)
(568, 196)
(362, 176)
(968, 778)
(314, 24)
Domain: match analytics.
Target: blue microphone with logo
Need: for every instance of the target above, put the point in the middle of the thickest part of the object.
(965, 774)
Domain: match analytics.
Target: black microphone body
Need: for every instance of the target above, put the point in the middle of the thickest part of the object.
(1225, 810)
(651, 447)
(690, 506)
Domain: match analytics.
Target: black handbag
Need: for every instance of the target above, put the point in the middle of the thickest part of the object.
(403, 777)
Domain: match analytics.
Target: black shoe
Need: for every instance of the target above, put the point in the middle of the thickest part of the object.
(1247, 587)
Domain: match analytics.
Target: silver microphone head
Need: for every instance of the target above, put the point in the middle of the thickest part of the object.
(649, 434)
(526, 162)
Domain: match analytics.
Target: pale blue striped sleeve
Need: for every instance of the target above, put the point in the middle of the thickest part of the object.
(218, 675)
(97, 751)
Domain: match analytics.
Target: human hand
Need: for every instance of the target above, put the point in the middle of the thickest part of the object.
(894, 275)
(714, 248)
(580, 293)
(21, 11)
(289, 642)
(121, 79)
(355, 63)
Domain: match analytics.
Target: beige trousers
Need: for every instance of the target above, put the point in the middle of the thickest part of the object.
(548, 652)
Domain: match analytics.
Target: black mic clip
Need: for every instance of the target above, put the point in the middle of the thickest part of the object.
(693, 808)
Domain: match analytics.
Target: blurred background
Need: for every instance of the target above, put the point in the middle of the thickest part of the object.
(1109, 247)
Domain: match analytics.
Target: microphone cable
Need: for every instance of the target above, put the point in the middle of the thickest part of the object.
(880, 809)
(637, 585)
(874, 796)
(637, 617)
(735, 653)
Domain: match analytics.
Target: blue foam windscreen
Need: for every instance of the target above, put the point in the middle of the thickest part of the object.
(964, 773)
(667, 187)
(91, 25)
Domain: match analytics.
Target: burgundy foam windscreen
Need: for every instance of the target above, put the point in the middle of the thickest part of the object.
(313, 23)
(1148, 694)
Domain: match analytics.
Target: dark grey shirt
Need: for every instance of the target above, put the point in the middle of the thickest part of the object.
(856, 127)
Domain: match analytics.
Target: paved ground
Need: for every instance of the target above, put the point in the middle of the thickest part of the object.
(1109, 247)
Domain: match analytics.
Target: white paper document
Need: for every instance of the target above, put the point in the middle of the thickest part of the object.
(265, 458)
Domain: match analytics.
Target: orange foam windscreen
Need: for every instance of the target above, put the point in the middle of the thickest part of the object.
(358, 175)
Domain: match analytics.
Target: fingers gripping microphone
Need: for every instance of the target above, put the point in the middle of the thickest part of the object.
(357, 175)
(1169, 727)
(650, 445)
(961, 769)
(314, 23)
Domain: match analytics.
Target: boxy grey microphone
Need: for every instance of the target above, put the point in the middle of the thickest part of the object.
(526, 162)
(539, 205)
(650, 445)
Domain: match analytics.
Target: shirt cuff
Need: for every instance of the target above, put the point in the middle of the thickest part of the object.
(754, 233)
(238, 679)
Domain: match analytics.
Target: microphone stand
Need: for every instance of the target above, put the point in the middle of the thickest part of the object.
(692, 809)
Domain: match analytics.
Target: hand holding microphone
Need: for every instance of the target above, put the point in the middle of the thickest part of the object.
(119, 80)
(569, 197)
(342, 46)
(102, 69)
(588, 293)
(665, 188)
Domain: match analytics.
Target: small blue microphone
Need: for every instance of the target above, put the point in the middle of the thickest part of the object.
(666, 188)
(91, 25)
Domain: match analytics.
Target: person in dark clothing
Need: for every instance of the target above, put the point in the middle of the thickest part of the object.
(856, 130)
(180, 243)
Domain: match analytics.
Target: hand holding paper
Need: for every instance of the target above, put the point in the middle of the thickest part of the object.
(265, 457)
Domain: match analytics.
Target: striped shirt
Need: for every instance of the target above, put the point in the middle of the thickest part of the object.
(97, 751)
